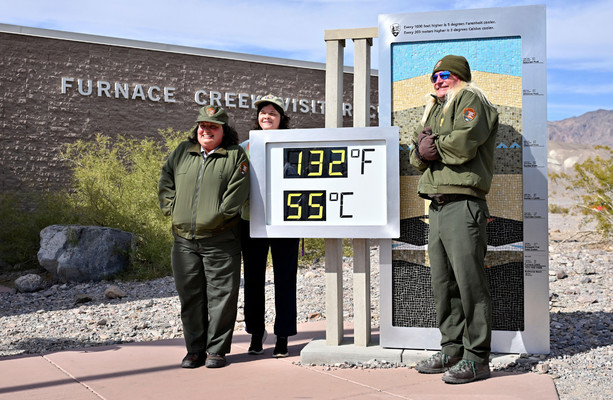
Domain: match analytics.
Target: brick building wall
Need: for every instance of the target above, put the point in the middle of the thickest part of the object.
(130, 88)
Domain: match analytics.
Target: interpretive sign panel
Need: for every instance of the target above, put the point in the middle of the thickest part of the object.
(505, 48)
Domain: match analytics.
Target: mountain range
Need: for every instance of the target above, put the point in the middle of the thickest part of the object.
(572, 141)
(592, 128)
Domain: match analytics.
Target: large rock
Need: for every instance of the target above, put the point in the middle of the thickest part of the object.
(73, 253)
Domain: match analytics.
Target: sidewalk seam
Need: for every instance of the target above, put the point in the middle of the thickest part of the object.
(357, 383)
(73, 377)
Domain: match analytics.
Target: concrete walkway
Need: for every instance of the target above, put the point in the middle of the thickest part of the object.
(150, 370)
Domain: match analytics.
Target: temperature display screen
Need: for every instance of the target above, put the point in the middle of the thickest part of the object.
(324, 182)
(329, 183)
(321, 162)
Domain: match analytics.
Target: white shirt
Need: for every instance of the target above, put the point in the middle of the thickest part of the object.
(204, 154)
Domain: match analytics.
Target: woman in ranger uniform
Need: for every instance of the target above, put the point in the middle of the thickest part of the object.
(203, 184)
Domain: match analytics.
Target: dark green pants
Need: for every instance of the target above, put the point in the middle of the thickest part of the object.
(457, 244)
(207, 277)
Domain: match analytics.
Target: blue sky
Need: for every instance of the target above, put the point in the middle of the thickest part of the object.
(579, 33)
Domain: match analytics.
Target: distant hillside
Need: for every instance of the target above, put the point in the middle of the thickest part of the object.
(572, 141)
(592, 128)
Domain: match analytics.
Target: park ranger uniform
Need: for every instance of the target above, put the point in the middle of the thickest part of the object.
(457, 182)
(204, 196)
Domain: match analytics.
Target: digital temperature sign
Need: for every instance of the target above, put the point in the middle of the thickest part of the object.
(327, 183)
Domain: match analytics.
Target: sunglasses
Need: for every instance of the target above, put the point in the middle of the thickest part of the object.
(444, 75)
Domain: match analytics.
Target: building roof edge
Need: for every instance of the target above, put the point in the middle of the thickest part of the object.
(170, 48)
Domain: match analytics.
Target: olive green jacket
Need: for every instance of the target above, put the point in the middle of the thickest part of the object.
(465, 139)
(203, 197)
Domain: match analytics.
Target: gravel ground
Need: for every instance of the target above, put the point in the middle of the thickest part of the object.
(69, 316)
(581, 316)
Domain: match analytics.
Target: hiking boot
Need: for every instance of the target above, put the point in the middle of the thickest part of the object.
(280, 350)
(466, 371)
(437, 364)
(193, 360)
(257, 343)
(215, 361)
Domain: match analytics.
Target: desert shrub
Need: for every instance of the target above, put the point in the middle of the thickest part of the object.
(22, 216)
(115, 185)
(557, 209)
(592, 183)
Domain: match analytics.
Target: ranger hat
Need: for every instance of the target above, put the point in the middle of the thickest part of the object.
(454, 64)
(214, 114)
(270, 98)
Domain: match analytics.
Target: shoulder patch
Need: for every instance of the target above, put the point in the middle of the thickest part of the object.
(244, 168)
(469, 114)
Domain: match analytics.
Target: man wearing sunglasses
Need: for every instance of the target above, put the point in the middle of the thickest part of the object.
(454, 149)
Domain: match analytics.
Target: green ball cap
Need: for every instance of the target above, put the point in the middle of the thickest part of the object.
(270, 98)
(214, 114)
(454, 64)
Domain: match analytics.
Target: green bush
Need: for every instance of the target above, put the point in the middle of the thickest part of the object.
(22, 216)
(115, 185)
(593, 185)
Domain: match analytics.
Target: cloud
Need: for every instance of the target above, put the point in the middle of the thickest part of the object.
(292, 28)
(582, 89)
(579, 35)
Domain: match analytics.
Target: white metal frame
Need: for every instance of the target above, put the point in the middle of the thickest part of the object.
(529, 23)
